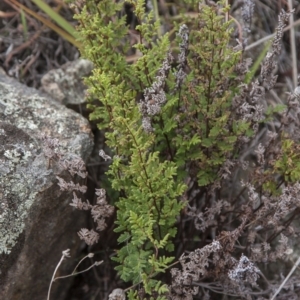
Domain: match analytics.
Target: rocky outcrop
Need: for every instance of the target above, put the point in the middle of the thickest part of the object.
(36, 221)
(65, 84)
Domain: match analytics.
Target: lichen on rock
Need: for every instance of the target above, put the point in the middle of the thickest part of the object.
(36, 220)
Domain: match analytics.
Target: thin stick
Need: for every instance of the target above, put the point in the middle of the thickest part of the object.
(65, 253)
(227, 13)
(287, 278)
(293, 45)
(266, 38)
(96, 263)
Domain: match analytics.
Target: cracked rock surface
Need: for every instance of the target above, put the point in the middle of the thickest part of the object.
(36, 221)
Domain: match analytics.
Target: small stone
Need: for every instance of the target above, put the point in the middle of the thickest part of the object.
(117, 294)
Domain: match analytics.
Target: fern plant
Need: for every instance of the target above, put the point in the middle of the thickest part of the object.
(164, 119)
(148, 201)
(176, 119)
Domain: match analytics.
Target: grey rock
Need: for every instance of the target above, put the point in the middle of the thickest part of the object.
(36, 221)
(65, 84)
(117, 294)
